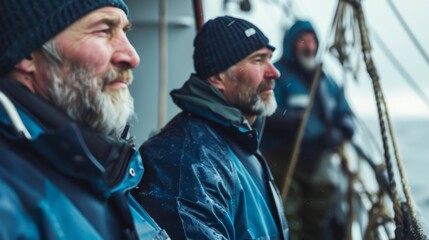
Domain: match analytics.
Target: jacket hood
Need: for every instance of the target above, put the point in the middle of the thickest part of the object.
(204, 100)
(291, 36)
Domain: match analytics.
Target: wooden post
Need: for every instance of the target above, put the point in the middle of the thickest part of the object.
(199, 14)
(163, 28)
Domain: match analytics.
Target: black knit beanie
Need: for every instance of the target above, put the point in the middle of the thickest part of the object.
(224, 41)
(25, 25)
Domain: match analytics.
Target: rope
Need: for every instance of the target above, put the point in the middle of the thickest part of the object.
(391, 57)
(408, 30)
(399, 216)
(378, 211)
(297, 145)
(381, 105)
(352, 177)
(401, 169)
(338, 48)
(372, 71)
(383, 116)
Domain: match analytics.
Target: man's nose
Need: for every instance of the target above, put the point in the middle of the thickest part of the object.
(271, 71)
(125, 55)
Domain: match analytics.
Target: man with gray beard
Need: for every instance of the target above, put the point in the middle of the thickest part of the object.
(84, 97)
(205, 177)
(315, 202)
(66, 161)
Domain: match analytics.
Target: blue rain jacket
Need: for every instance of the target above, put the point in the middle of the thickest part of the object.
(205, 178)
(330, 120)
(66, 182)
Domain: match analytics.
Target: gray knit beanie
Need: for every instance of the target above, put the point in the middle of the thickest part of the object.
(25, 25)
(224, 41)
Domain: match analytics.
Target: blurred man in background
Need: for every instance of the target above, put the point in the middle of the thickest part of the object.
(313, 206)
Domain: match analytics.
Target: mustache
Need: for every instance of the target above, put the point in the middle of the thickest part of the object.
(265, 85)
(117, 75)
(307, 52)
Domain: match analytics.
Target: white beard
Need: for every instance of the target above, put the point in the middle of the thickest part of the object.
(309, 64)
(85, 99)
(266, 108)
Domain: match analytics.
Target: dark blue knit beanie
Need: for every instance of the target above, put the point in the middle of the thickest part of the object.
(25, 25)
(224, 41)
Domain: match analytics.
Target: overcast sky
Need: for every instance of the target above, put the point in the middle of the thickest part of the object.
(401, 99)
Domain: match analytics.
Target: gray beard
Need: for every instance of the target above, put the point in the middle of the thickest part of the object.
(262, 108)
(85, 99)
(309, 64)
(252, 103)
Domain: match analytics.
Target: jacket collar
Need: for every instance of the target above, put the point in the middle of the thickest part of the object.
(74, 149)
(202, 99)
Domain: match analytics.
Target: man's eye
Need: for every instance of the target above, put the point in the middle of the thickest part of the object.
(104, 31)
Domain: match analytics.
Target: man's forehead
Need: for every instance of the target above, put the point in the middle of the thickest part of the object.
(306, 34)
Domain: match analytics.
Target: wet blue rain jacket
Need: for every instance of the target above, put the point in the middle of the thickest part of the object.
(205, 178)
(66, 182)
(330, 120)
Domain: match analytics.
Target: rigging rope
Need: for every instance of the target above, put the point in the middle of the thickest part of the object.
(402, 174)
(383, 114)
(408, 30)
(378, 213)
(391, 57)
(372, 71)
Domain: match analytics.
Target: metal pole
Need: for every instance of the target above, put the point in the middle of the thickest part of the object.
(163, 63)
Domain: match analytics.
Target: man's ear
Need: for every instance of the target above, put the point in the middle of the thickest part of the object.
(26, 65)
(24, 72)
(217, 81)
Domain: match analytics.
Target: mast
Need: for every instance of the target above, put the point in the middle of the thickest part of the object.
(198, 13)
(162, 114)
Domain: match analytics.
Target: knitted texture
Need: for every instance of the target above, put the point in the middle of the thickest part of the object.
(27, 24)
(224, 41)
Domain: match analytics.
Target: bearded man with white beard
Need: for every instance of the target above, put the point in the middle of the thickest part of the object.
(66, 160)
(313, 205)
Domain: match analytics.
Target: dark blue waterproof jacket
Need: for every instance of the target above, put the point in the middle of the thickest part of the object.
(205, 178)
(330, 120)
(65, 181)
